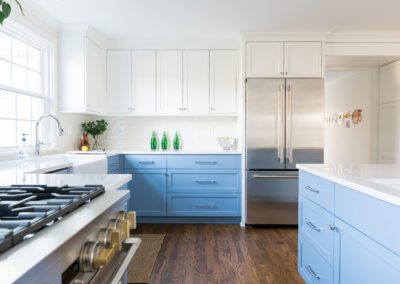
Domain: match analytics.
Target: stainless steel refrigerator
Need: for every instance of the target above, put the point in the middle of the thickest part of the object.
(284, 127)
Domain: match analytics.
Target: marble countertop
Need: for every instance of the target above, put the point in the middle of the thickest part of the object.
(110, 153)
(381, 181)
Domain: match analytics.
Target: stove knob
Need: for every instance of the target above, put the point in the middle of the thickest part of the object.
(94, 255)
(129, 216)
(109, 238)
(120, 226)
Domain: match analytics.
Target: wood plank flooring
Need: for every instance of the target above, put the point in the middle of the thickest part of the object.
(225, 254)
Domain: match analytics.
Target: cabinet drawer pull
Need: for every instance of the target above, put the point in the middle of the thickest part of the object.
(333, 227)
(312, 189)
(206, 162)
(205, 205)
(312, 226)
(312, 272)
(146, 162)
(205, 181)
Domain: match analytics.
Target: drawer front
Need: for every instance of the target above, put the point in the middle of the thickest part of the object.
(375, 218)
(181, 204)
(204, 161)
(113, 164)
(312, 267)
(317, 189)
(203, 181)
(315, 225)
(145, 162)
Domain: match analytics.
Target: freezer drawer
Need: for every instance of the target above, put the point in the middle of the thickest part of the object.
(272, 197)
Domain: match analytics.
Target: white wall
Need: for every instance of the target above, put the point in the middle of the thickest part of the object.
(198, 133)
(346, 90)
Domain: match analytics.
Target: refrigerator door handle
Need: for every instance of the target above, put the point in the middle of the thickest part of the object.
(289, 149)
(280, 126)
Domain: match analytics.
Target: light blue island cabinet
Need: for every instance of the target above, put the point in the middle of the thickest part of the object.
(346, 236)
(193, 188)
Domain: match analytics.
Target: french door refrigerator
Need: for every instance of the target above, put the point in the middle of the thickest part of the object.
(284, 127)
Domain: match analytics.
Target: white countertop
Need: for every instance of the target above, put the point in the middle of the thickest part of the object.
(123, 152)
(381, 181)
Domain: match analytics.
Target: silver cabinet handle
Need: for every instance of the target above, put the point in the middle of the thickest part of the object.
(212, 205)
(205, 162)
(312, 272)
(212, 108)
(276, 176)
(312, 226)
(146, 162)
(309, 188)
(333, 227)
(205, 181)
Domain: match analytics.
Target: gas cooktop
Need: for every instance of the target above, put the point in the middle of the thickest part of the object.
(26, 209)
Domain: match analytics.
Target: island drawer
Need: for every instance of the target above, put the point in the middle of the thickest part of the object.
(317, 189)
(145, 161)
(312, 266)
(195, 204)
(316, 225)
(203, 181)
(375, 218)
(204, 161)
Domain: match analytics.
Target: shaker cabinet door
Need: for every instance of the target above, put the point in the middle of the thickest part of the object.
(119, 89)
(264, 60)
(94, 76)
(303, 59)
(223, 80)
(196, 81)
(169, 81)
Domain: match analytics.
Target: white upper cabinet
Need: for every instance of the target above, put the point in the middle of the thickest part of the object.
(81, 62)
(264, 60)
(390, 83)
(196, 81)
(303, 59)
(169, 81)
(119, 95)
(94, 76)
(144, 81)
(223, 81)
(284, 60)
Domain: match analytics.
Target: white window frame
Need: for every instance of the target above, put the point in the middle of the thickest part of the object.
(47, 47)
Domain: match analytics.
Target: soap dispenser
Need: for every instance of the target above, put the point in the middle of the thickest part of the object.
(23, 152)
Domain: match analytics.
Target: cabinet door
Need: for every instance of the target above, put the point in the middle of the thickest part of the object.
(148, 193)
(144, 81)
(362, 260)
(169, 81)
(264, 60)
(389, 145)
(196, 81)
(119, 99)
(303, 59)
(390, 83)
(94, 76)
(223, 78)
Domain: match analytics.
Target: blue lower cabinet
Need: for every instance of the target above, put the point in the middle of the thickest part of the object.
(148, 193)
(363, 260)
(113, 164)
(198, 204)
(312, 266)
(204, 181)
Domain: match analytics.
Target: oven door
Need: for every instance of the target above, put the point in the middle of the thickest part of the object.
(116, 271)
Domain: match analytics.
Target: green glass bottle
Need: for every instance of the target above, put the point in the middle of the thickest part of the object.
(165, 141)
(154, 141)
(177, 142)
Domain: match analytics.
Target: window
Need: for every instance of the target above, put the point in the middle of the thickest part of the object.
(23, 95)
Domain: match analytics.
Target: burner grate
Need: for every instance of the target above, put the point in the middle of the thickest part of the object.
(25, 209)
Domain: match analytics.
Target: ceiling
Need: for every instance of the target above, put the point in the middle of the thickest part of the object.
(222, 18)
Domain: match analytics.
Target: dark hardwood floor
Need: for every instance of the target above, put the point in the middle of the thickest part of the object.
(225, 254)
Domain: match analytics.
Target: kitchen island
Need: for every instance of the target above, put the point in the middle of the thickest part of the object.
(349, 223)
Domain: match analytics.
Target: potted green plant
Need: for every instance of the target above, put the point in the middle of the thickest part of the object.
(95, 128)
(5, 9)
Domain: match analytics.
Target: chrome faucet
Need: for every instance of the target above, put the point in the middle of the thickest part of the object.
(60, 131)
